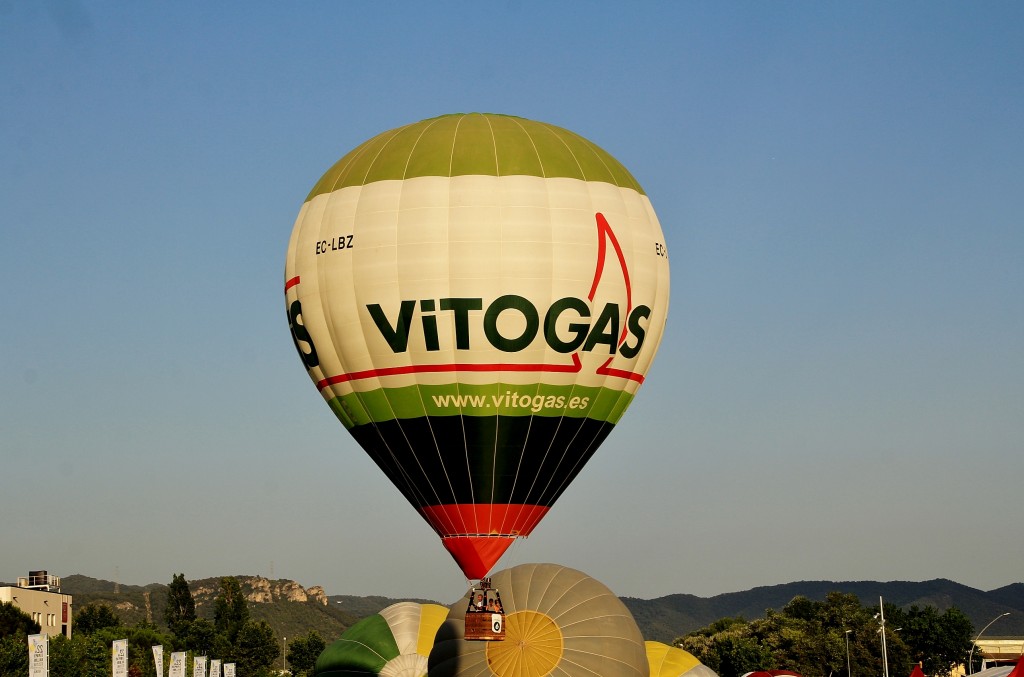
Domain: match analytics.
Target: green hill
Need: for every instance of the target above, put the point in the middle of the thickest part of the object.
(290, 609)
(665, 618)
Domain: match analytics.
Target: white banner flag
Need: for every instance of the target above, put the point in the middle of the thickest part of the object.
(38, 655)
(215, 668)
(229, 670)
(177, 664)
(119, 657)
(199, 666)
(158, 659)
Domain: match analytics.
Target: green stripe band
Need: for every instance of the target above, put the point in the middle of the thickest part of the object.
(495, 399)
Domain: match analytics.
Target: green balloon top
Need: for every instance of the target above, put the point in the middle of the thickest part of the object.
(475, 143)
(363, 649)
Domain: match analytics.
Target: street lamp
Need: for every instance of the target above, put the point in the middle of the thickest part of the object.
(881, 621)
(848, 652)
(970, 656)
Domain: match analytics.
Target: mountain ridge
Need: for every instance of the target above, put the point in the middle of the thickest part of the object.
(665, 618)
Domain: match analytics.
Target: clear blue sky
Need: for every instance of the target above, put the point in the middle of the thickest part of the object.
(840, 394)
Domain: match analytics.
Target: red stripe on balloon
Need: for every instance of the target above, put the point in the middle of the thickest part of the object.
(291, 283)
(498, 520)
(446, 368)
(605, 370)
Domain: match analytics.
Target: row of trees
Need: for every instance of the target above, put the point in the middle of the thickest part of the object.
(812, 638)
(828, 637)
(232, 636)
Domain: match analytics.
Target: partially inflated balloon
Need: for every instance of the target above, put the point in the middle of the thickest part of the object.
(671, 661)
(558, 621)
(395, 642)
(478, 298)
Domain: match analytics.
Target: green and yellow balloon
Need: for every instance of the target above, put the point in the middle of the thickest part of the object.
(478, 298)
(395, 643)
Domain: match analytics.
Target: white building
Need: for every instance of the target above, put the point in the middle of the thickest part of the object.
(40, 597)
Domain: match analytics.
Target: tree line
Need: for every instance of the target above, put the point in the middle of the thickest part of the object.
(232, 636)
(836, 636)
(829, 638)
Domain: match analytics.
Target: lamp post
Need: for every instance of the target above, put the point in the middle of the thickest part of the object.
(970, 656)
(847, 633)
(881, 622)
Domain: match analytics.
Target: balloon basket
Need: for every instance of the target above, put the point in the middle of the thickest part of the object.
(485, 617)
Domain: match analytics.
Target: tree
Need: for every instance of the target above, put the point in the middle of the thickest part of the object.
(93, 617)
(303, 652)
(181, 607)
(808, 637)
(14, 655)
(141, 640)
(230, 609)
(13, 620)
(740, 655)
(939, 642)
(199, 636)
(62, 658)
(728, 647)
(842, 611)
(956, 632)
(92, 654)
(257, 648)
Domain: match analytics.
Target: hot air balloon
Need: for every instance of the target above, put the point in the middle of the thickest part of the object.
(478, 297)
(671, 661)
(559, 621)
(395, 642)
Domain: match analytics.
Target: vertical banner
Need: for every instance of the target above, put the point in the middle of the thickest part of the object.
(229, 670)
(177, 668)
(215, 668)
(38, 655)
(199, 666)
(158, 659)
(119, 657)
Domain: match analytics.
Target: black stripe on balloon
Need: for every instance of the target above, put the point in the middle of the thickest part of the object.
(493, 459)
